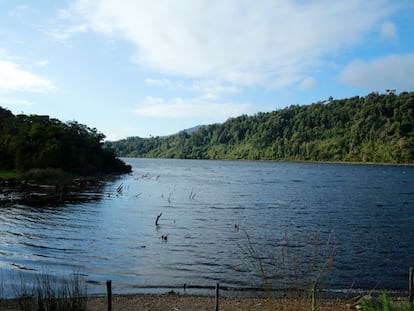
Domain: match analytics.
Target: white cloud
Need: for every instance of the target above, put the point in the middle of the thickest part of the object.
(120, 133)
(19, 11)
(15, 79)
(391, 72)
(308, 83)
(42, 63)
(68, 26)
(4, 54)
(190, 108)
(62, 33)
(389, 31)
(240, 41)
(165, 83)
(208, 90)
(214, 87)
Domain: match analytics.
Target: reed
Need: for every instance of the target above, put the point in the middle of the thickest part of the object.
(298, 269)
(1, 287)
(46, 293)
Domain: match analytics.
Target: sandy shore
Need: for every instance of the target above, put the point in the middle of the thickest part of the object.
(175, 302)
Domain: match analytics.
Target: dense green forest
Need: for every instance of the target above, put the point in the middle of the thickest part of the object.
(39, 142)
(375, 128)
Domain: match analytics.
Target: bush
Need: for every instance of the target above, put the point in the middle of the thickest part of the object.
(385, 304)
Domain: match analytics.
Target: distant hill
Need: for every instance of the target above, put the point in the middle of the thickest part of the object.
(38, 142)
(377, 128)
(191, 130)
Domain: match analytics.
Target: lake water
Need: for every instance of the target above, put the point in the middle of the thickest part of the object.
(209, 211)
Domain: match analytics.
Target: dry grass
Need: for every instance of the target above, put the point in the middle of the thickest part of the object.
(300, 266)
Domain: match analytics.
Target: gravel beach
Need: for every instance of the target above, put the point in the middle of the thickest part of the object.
(176, 302)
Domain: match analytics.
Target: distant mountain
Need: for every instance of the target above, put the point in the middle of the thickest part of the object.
(192, 129)
(375, 128)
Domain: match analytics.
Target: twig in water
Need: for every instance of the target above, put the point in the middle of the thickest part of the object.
(120, 188)
(158, 218)
(192, 195)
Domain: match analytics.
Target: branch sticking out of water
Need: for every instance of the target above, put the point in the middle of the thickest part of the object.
(192, 195)
(158, 218)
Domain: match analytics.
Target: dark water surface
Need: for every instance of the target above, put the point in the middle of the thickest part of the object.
(207, 209)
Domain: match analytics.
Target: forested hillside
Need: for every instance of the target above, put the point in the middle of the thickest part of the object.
(40, 142)
(375, 128)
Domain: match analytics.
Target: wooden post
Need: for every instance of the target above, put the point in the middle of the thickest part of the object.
(411, 286)
(217, 296)
(109, 291)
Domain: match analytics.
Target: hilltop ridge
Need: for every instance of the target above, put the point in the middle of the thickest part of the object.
(376, 128)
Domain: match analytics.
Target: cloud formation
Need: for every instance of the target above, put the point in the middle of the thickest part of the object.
(390, 72)
(308, 83)
(268, 43)
(389, 31)
(190, 108)
(16, 79)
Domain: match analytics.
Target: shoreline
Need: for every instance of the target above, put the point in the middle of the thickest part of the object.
(285, 161)
(173, 301)
(179, 302)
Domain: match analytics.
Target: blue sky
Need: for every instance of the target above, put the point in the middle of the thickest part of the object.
(141, 68)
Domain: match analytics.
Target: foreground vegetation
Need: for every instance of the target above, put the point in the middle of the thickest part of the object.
(375, 128)
(384, 303)
(47, 293)
(40, 142)
(298, 269)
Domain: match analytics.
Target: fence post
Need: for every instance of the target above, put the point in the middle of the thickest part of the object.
(411, 286)
(217, 296)
(109, 291)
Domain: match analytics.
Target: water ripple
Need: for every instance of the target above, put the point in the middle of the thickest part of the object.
(209, 208)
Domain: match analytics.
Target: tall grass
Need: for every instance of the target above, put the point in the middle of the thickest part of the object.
(47, 293)
(1, 286)
(298, 267)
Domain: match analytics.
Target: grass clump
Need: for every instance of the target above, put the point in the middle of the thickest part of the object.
(47, 293)
(298, 269)
(385, 303)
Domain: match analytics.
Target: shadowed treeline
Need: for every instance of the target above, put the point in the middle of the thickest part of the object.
(39, 142)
